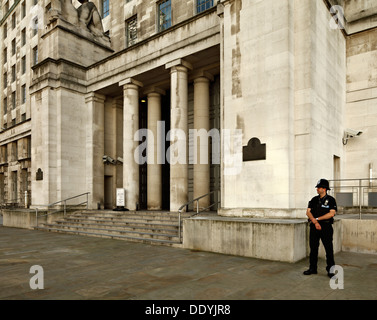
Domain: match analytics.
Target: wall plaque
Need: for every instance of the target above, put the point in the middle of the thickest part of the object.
(39, 175)
(254, 150)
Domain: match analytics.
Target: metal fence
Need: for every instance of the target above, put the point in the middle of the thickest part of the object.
(360, 194)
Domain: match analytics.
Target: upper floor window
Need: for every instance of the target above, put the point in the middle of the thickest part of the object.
(131, 30)
(5, 106)
(164, 15)
(5, 31)
(202, 5)
(35, 55)
(105, 8)
(23, 10)
(13, 20)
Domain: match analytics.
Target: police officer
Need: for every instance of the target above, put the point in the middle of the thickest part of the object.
(321, 211)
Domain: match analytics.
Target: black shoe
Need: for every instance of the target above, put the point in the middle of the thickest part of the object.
(310, 271)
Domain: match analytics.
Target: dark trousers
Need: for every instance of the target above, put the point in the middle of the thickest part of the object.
(326, 236)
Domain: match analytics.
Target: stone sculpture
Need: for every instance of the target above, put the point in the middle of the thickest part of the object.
(85, 19)
(90, 18)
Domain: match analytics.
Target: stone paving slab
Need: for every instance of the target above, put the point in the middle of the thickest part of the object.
(86, 268)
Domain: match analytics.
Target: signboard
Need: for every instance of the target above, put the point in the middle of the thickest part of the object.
(121, 197)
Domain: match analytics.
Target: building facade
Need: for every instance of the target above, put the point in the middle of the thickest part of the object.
(115, 96)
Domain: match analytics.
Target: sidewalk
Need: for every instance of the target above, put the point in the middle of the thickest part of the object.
(78, 267)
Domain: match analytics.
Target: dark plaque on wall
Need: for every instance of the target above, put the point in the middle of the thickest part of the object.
(254, 150)
(39, 175)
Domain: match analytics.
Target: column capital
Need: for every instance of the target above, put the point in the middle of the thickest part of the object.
(178, 63)
(196, 76)
(155, 90)
(130, 81)
(94, 97)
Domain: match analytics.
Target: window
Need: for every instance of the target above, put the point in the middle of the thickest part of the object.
(23, 65)
(23, 37)
(35, 26)
(202, 5)
(105, 8)
(35, 55)
(23, 94)
(14, 73)
(13, 47)
(5, 55)
(5, 79)
(14, 100)
(23, 10)
(5, 31)
(164, 15)
(131, 36)
(5, 107)
(13, 20)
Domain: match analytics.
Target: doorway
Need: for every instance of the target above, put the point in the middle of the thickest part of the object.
(108, 192)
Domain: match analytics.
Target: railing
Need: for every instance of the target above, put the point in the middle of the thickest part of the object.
(356, 193)
(61, 206)
(186, 205)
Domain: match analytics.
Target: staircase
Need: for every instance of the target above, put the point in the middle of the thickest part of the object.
(157, 227)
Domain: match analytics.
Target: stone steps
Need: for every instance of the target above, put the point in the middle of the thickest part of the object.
(142, 226)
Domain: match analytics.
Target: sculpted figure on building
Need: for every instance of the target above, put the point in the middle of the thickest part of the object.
(85, 18)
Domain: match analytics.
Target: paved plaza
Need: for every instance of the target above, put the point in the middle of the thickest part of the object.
(81, 268)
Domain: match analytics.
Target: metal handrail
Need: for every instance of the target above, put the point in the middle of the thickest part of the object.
(64, 202)
(197, 209)
(336, 184)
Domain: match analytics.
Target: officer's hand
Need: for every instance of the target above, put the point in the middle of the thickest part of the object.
(318, 226)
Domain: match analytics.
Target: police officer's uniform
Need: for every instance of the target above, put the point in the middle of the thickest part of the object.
(320, 207)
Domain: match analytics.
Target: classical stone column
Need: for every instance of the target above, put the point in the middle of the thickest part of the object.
(130, 127)
(178, 134)
(201, 143)
(95, 142)
(154, 184)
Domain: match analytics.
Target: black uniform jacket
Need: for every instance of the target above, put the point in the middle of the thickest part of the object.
(320, 207)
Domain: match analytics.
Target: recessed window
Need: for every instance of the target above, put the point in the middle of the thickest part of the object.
(202, 5)
(164, 15)
(5, 106)
(35, 55)
(23, 65)
(23, 37)
(14, 100)
(105, 8)
(13, 73)
(131, 32)
(23, 94)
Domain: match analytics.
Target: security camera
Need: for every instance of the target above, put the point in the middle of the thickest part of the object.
(120, 160)
(107, 159)
(350, 133)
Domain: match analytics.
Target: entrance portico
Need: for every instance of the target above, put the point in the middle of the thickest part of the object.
(181, 94)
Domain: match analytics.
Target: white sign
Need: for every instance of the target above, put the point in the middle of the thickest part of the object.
(121, 197)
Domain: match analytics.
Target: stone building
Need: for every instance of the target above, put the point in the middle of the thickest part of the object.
(279, 83)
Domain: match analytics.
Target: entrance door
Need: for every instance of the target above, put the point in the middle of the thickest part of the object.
(165, 167)
(108, 192)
